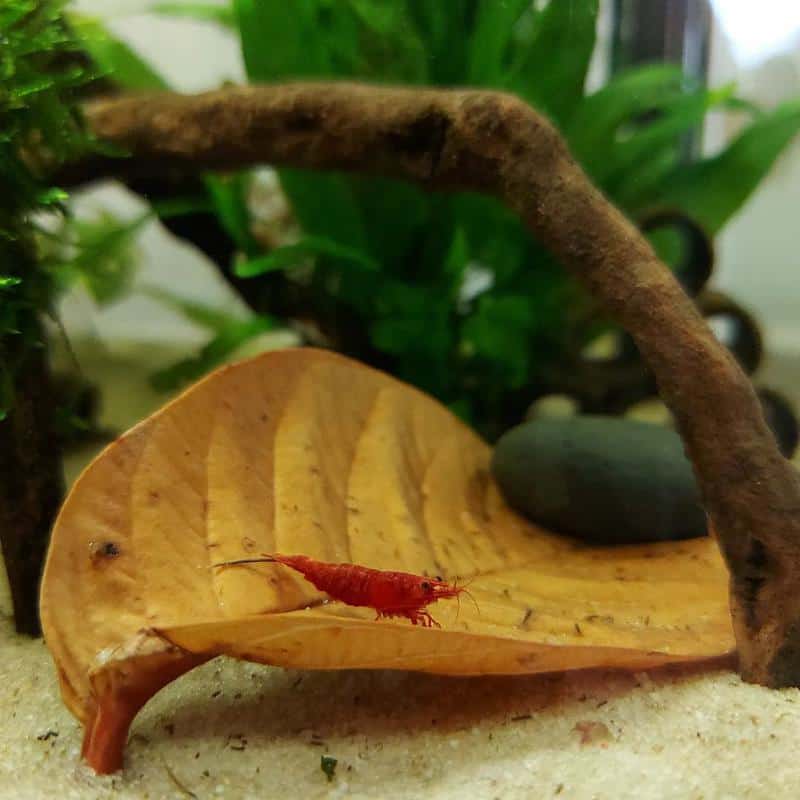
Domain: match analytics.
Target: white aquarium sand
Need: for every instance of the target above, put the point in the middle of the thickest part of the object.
(238, 730)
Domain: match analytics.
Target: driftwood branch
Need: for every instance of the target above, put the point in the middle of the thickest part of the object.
(31, 480)
(495, 144)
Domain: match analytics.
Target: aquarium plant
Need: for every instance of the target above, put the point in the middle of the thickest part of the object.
(451, 293)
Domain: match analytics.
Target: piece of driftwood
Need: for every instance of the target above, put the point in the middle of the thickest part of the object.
(31, 479)
(494, 143)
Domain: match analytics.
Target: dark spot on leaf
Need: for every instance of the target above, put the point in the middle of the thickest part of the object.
(103, 550)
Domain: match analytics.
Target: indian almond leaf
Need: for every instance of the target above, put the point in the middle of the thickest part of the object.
(305, 451)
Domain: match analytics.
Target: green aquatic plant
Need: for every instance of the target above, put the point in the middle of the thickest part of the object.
(39, 127)
(41, 71)
(451, 293)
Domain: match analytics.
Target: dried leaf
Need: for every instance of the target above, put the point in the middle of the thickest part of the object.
(304, 451)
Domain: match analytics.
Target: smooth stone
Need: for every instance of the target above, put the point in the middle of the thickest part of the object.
(605, 480)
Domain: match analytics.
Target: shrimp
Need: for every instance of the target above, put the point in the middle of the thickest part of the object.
(389, 593)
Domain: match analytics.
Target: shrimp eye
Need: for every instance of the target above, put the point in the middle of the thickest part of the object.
(426, 586)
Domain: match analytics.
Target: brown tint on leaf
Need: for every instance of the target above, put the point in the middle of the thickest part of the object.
(303, 451)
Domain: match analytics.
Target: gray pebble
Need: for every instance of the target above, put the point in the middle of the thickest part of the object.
(604, 480)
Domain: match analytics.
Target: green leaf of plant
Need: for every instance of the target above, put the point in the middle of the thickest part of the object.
(593, 126)
(378, 40)
(414, 323)
(39, 84)
(204, 12)
(229, 199)
(395, 214)
(7, 281)
(747, 106)
(446, 39)
(212, 355)
(104, 258)
(278, 43)
(291, 255)
(713, 190)
(53, 195)
(113, 56)
(179, 206)
(499, 331)
(325, 205)
(457, 256)
(209, 317)
(491, 38)
(648, 141)
(551, 62)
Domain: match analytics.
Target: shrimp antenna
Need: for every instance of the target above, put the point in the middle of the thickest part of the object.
(261, 560)
(468, 594)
